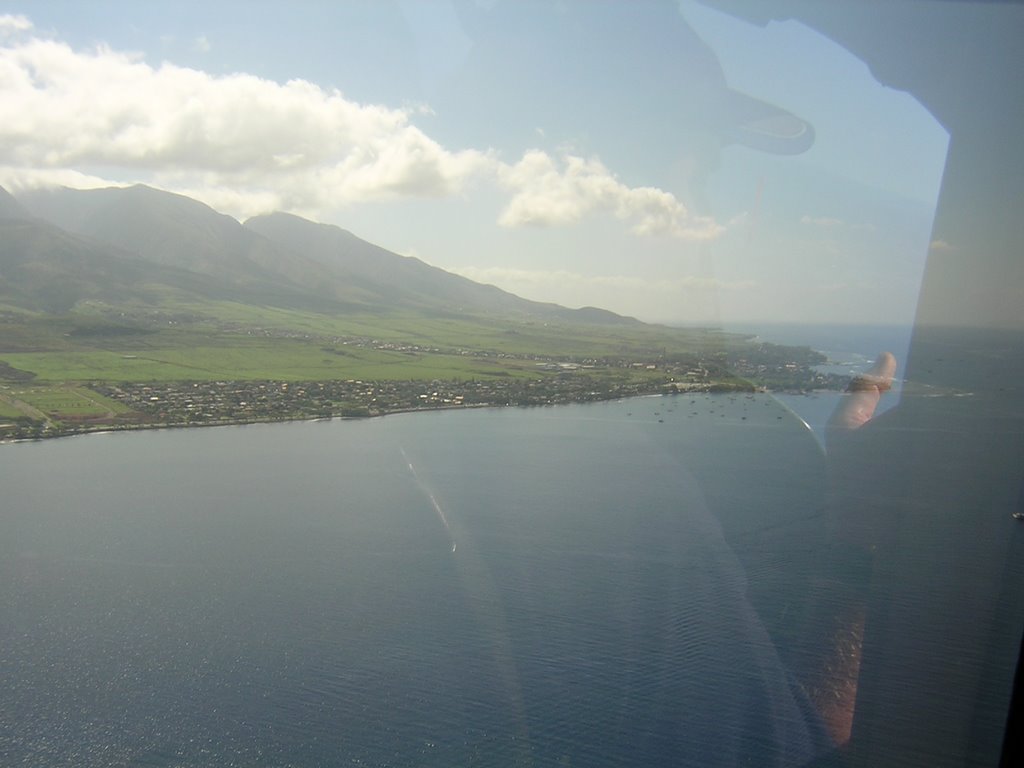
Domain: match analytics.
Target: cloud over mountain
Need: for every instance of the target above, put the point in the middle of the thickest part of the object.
(103, 108)
(248, 145)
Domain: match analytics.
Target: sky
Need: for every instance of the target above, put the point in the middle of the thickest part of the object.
(652, 158)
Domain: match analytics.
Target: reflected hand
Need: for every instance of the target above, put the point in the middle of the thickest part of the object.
(834, 688)
(858, 405)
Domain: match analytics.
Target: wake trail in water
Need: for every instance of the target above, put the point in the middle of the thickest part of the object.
(426, 492)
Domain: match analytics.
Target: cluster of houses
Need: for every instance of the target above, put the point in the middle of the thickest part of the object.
(208, 402)
(553, 382)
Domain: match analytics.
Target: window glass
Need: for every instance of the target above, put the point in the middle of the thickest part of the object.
(706, 573)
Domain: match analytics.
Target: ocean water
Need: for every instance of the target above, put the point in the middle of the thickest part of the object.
(850, 349)
(591, 585)
(628, 583)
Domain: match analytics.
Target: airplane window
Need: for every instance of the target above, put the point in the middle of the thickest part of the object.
(486, 382)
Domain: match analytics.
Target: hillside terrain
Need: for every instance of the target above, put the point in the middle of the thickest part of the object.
(133, 306)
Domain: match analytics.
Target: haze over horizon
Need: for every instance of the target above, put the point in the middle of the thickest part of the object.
(577, 154)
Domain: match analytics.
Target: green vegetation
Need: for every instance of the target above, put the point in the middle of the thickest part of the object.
(131, 307)
(8, 411)
(244, 342)
(105, 367)
(67, 402)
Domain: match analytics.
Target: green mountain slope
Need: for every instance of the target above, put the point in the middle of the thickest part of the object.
(391, 280)
(278, 259)
(402, 281)
(11, 208)
(174, 230)
(46, 269)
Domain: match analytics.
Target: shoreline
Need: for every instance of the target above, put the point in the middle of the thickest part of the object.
(102, 429)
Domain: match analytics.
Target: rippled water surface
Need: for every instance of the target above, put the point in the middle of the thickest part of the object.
(584, 585)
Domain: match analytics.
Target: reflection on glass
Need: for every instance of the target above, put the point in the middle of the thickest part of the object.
(696, 579)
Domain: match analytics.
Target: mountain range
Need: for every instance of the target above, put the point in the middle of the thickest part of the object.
(132, 246)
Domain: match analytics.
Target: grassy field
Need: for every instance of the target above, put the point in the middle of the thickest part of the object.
(8, 411)
(53, 364)
(234, 341)
(72, 402)
(248, 359)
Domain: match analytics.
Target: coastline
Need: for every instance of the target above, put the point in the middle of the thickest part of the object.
(97, 429)
(108, 428)
(65, 408)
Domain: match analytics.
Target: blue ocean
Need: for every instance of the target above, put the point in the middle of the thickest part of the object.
(625, 583)
(850, 349)
(590, 585)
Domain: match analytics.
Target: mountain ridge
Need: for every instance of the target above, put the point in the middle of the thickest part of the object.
(277, 257)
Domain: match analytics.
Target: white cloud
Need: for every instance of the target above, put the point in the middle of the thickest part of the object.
(201, 44)
(63, 109)
(10, 24)
(15, 178)
(940, 246)
(546, 193)
(826, 222)
(247, 145)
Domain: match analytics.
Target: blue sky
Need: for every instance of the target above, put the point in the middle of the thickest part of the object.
(575, 152)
